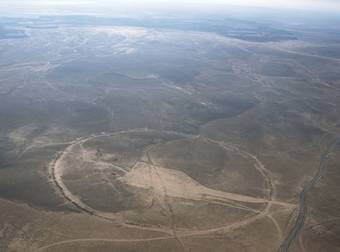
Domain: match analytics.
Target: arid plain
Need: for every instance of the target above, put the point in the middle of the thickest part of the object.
(117, 138)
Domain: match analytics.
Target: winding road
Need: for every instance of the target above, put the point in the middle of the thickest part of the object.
(300, 220)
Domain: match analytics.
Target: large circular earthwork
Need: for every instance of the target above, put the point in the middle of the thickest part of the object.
(161, 180)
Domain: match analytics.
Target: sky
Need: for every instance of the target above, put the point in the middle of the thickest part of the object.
(256, 3)
(7, 6)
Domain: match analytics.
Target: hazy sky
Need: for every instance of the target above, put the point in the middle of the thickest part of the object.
(96, 5)
(265, 3)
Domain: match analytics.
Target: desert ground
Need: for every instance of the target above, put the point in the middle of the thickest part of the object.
(125, 138)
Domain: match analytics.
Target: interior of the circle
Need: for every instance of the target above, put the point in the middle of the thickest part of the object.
(162, 179)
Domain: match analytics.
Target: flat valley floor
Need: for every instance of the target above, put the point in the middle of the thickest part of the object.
(140, 139)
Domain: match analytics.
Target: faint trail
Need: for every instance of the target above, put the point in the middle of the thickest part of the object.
(166, 199)
(101, 240)
(264, 213)
(306, 54)
(277, 226)
(300, 219)
(56, 174)
(324, 222)
(231, 227)
(56, 171)
(258, 165)
(222, 196)
(233, 205)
